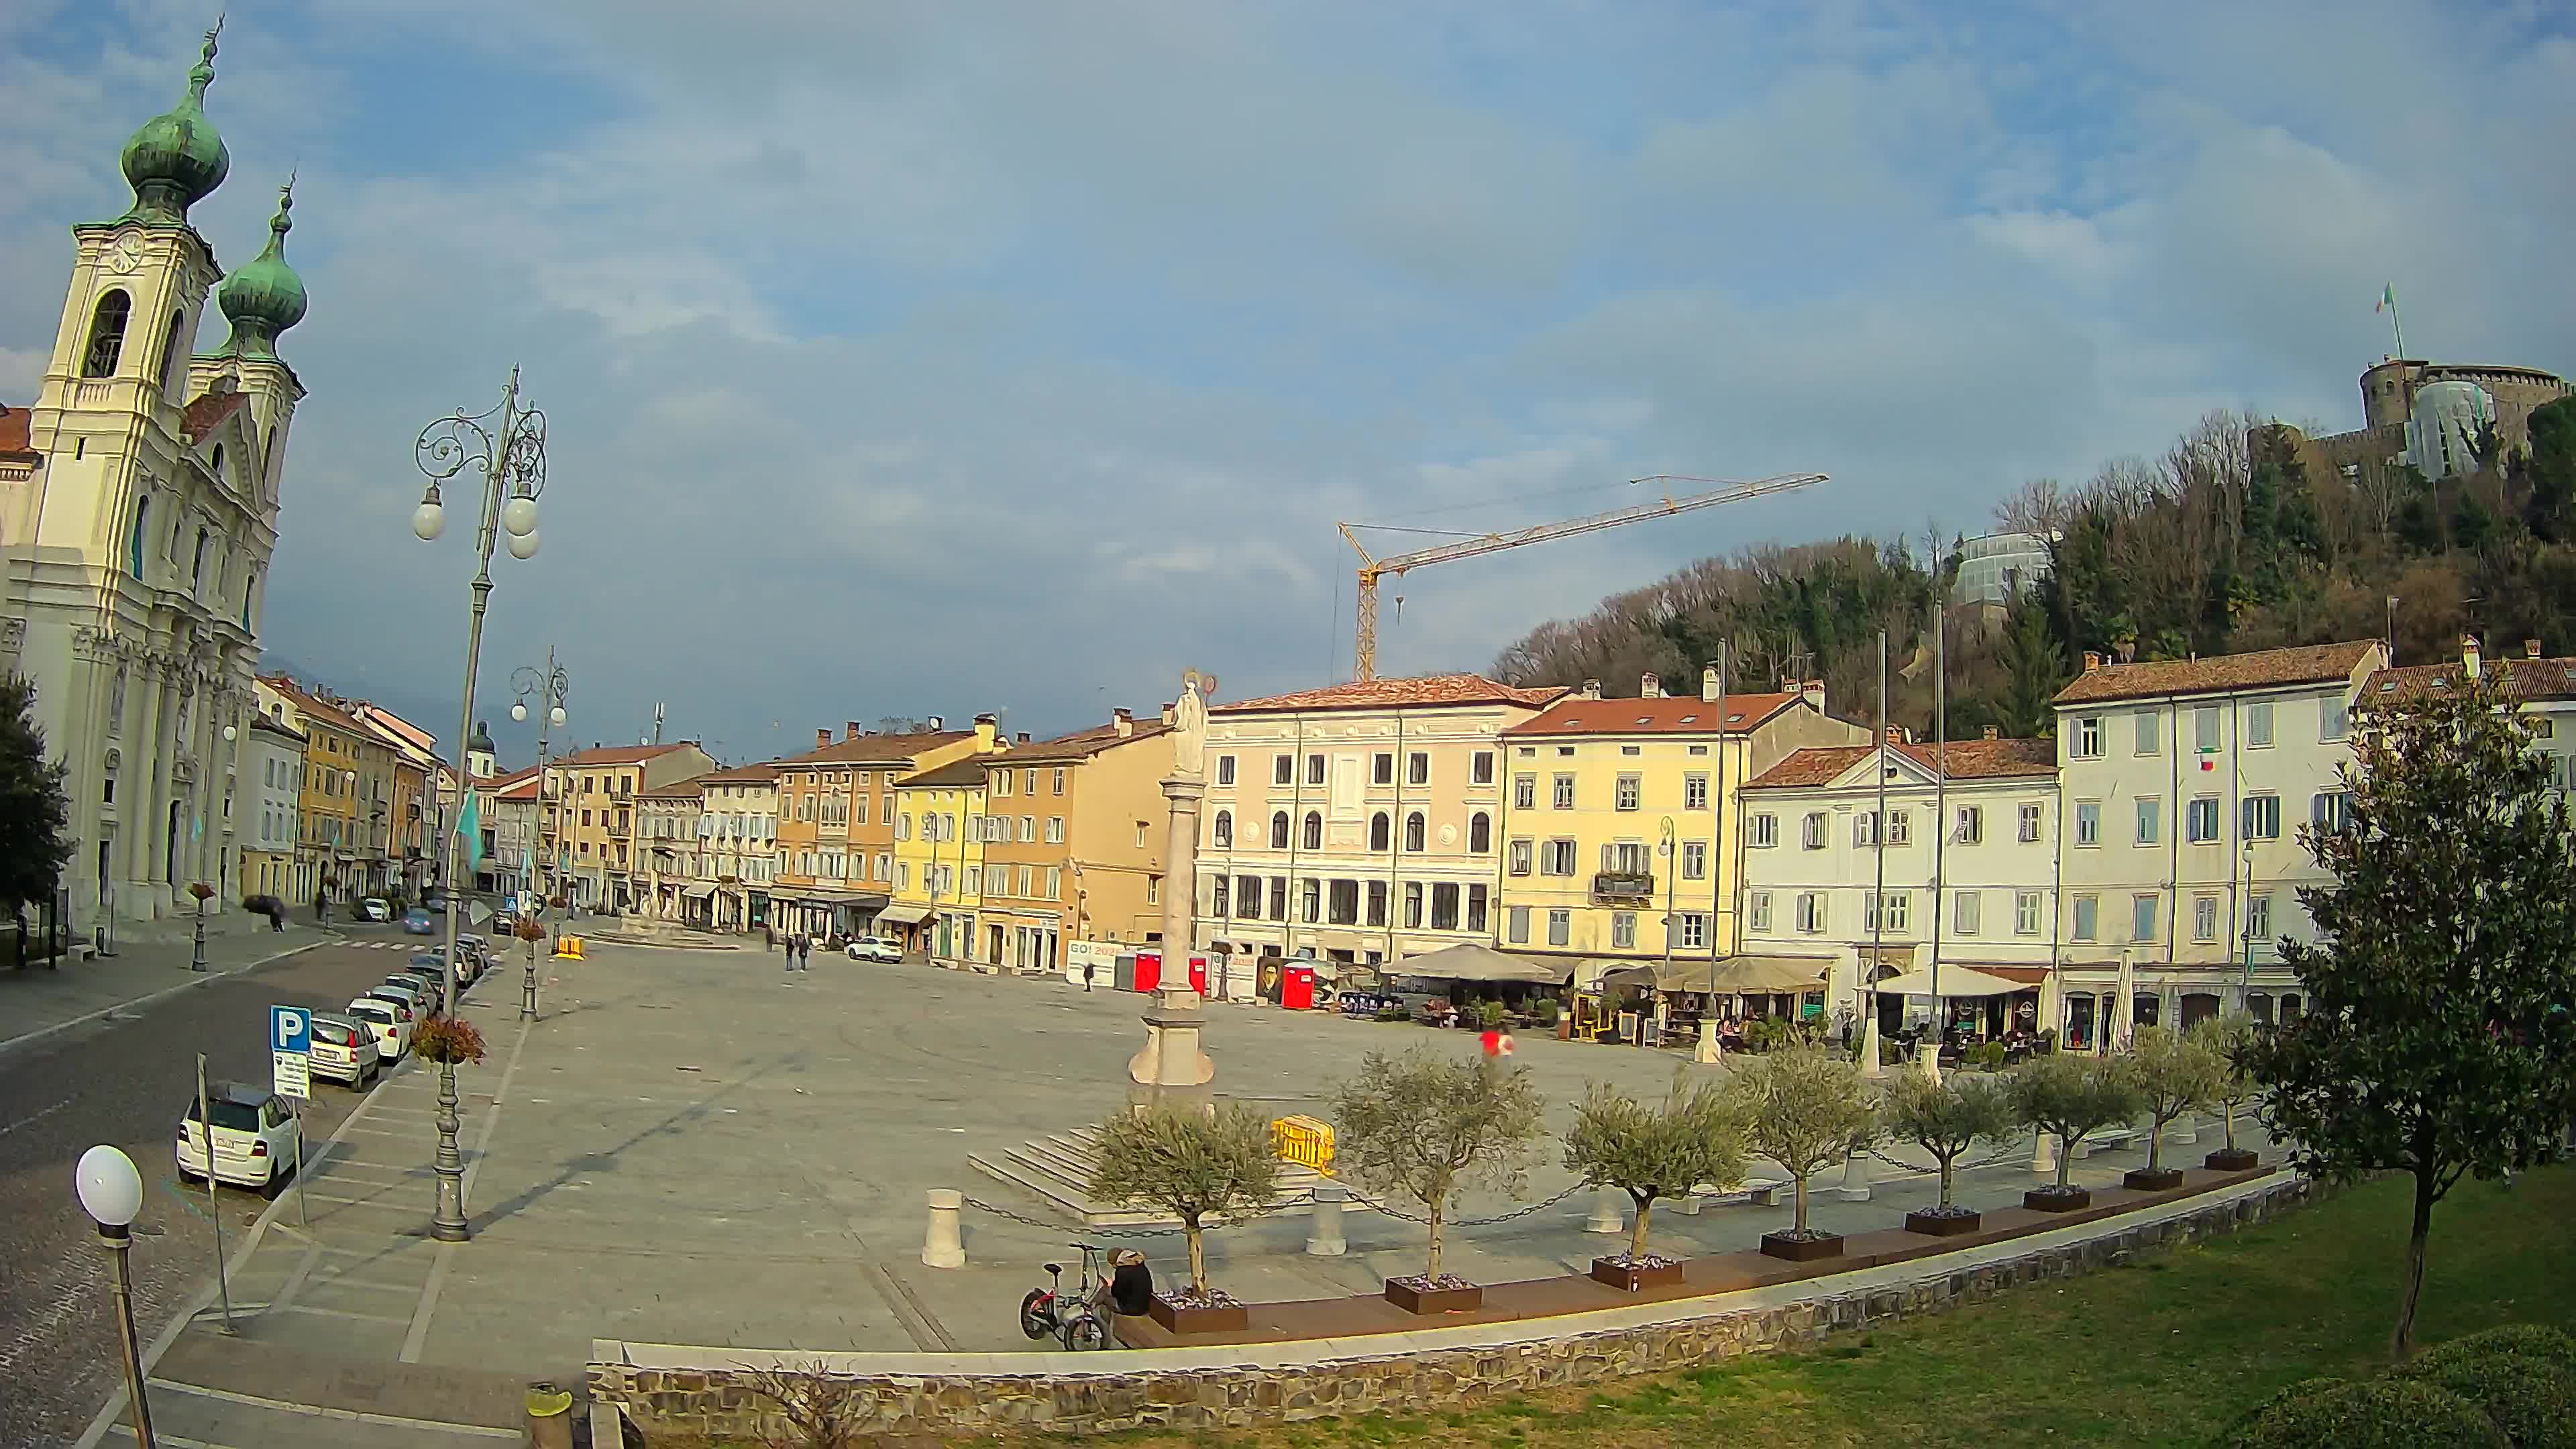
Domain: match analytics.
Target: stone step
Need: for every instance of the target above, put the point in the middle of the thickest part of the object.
(1057, 1168)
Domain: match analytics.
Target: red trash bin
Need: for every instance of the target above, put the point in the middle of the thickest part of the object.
(1149, 970)
(1297, 988)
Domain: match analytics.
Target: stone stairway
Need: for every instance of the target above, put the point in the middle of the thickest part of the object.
(1056, 1168)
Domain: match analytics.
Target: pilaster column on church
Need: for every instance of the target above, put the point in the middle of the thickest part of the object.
(152, 881)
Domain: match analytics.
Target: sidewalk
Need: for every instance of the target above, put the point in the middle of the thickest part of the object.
(36, 1002)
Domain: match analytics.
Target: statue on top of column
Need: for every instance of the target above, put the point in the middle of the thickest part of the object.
(1189, 728)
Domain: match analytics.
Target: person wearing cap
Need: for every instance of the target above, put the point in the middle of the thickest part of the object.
(1131, 1286)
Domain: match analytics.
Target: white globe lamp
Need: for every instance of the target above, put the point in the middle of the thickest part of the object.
(111, 1191)
(519, 517)
(523, 545)
(519, 711)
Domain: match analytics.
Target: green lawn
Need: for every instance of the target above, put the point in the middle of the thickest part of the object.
(2165, 1351)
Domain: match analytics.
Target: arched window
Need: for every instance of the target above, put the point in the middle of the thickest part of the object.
(1413, 831)
(1279, 831)
(170, 353)
(250, 590)
(134, 550)
(1314, 830)
(1480, 833)
(1378, 831)
(1225, 829)
(106, 335)
(197, 572)
(219, 462)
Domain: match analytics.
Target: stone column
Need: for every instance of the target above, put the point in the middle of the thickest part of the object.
(1324, 1234)
(152, 896)
(1172, 1061)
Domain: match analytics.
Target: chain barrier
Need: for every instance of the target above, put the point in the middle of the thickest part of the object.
(1230, 1219)
(1520, 1212)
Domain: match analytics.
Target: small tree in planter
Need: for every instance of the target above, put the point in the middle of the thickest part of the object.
(2173, 1074)
(1946, 1118)
(2070, 1095)
(1195, 1165)
(1425, 1124)
(1804, 1107)
(1650, 1152)
(2226, 1038)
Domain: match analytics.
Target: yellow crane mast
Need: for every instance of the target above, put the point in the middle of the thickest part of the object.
(1373, 568)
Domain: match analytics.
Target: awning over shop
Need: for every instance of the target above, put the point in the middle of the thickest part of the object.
(831, 896)
(697, 892)
(1955, 981)
(903, 915)
(1471, 962)
(1768, 975)
(1662, 975)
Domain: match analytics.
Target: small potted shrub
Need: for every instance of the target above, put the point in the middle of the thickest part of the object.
(2071, 1096)
(1803, 1107)
(1394, 1011)
(1490, 1015)
(1651, 1152)
(2226, 1039)
(1946, 1118)
(1425, 1124)
(2173, 1073)
(447, 1039)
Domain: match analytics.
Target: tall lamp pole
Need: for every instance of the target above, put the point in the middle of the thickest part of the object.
(507, 446)
(549, 687)
(111, 1192)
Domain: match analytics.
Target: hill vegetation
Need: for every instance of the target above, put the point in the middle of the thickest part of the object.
(2236, 538)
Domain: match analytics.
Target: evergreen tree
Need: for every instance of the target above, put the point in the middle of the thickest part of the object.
(2438, 1039)
(35, 844)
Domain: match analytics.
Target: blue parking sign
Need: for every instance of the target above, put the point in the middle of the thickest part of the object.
(290, 1029)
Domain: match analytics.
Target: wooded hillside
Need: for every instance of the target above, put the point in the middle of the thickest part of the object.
(2234, 539)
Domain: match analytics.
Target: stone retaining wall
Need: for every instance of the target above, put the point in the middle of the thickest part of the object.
(1232, 1388)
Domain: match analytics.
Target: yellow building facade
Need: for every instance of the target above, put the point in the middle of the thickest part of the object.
(1614, 820)
(346, 796)
(588, 824)
(939, 855)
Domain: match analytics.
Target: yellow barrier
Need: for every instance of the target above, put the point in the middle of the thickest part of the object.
(1306, 1141)
(567, 948)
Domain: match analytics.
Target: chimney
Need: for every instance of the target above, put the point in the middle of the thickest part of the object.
(1123, 722)
(850, 729)
(2530, 648)
(1708, 684)
(1896, 734)
(1993, 733)
(2469, 655)
(1813, 690)
(1022, 737)
(987, 731)
(1650, 686)
(822, 738)
(938, 722)
(1591, 690)
(2092, 660)
(1171, 714)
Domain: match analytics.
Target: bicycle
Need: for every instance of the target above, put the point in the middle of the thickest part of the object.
(1081, 1328)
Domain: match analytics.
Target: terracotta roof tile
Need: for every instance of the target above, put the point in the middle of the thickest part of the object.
(310, 704)
(208, 412)
(1080, 745)
(689, 789)
(15, 437)
(618, 754)
(263, 722)
(741, 775)
(1968, 760)
(2525, 679)
(876, 748)
(965, 774)
(1425, 691)
(2304, 664)
(1673, 714)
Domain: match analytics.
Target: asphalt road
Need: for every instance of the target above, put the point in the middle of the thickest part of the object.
(124, 1080)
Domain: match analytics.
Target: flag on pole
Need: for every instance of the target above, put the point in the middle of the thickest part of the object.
(469, 825)
(2387, 298)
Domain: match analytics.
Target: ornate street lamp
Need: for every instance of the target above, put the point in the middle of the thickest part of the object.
(111, 1192)
(507, 446)
(548, 686)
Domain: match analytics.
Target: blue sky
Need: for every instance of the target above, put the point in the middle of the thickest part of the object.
(913, 358)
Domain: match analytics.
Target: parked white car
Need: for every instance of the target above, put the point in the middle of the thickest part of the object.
(875, 948)
(344, 1049)
(391, 1026)
(254, 1137)
(375, 908)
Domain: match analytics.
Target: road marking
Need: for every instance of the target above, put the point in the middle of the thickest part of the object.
(148, 998)
(414, 1340)
(324, 1411)
(180, 1440)
(35, 1116)
(384, 1318)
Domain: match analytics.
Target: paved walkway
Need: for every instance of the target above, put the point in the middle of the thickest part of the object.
(36, 1002)
(699, 1147)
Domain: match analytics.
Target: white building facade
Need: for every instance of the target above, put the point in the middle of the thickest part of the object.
(138, 539)
(272, 762)
(1962, 875)
(737, 856)
(2185, 783)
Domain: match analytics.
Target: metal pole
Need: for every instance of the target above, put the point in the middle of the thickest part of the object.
(303, 1204)
(1878, 839)
(1940, 810)
(119, 1243)
(214, 1205)
(197, 959)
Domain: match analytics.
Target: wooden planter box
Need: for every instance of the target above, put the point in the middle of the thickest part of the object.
(2232, 1159)
(1434, 1300)
(2050, 1200)
(1802, 1250)
(2162, 1179)
(1629, 1280)
(1943, 1225)
(1232, 1318)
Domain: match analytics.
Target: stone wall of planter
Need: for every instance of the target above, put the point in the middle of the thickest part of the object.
(711, 1394)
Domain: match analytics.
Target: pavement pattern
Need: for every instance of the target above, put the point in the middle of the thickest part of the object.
(698, 1147)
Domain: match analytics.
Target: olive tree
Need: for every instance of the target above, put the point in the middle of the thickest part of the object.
(2173, 1073)
(1190, 1162)
(2072, 1095)
(1946, 1117)
(1655, 1150)
(1427, 1123)
(1804, 1107)
(2229, 1039)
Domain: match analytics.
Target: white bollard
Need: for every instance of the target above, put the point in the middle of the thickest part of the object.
(1606, 1214)
(1855, 1186)
(1324, 1235)
(1927, 1059)
(941, 1247)
(2043, 1155)
(2185, 1131)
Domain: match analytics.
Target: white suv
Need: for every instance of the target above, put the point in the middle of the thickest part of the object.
(875, 948)
(255, 1137)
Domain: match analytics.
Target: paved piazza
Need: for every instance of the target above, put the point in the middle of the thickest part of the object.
(694, 1147)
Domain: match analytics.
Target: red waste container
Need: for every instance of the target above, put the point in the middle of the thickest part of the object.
(1198, 975)
(1297, 988)
(1149, 970)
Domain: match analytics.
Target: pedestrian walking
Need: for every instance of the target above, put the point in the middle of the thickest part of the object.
(276, 914)
(805, 954)
(1088, 966)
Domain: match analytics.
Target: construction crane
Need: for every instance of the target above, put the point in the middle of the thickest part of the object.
(1373, 568)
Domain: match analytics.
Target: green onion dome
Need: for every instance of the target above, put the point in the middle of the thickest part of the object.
(263, 297)
(176, 159)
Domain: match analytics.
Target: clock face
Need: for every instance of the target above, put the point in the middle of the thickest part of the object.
(127, 254)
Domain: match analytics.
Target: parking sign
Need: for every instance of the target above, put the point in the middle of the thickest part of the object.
(290, 1051)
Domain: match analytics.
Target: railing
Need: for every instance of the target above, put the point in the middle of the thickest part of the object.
(1623, 885)
(620, 832)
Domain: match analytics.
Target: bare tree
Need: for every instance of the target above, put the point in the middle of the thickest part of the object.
(820, 1411)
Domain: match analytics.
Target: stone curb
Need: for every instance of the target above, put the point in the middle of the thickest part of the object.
(194, 979)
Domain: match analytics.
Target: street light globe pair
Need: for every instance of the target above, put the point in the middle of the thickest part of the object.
(518, 520)
(519, 711)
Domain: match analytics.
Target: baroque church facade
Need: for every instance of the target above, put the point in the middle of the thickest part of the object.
(138, 524)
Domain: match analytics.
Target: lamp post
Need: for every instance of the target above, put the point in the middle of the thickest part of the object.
(202, 891)
(111, 1192)
(549, 686)
(507, 445)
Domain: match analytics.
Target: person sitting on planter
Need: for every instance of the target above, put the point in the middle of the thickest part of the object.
(1131, 1287)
